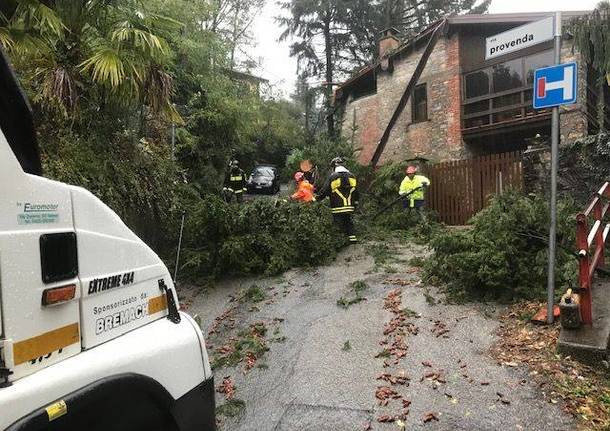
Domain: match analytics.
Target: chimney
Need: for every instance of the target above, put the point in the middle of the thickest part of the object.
(388, 41)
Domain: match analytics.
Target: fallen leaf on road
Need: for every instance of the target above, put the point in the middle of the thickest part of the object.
(430, 416)
(502, 399)
(227, 387)
(385, 418)
(427, 364)
(394, 380)
(397, 281)
(250, 360)
(384, 394)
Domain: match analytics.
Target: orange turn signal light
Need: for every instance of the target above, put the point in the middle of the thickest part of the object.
(58, 295)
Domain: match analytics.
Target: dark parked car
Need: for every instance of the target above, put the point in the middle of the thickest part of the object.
(264, 179)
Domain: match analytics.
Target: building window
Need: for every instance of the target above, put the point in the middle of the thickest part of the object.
(502, 92)
(507, 76)
(477, 84)
(419, 108)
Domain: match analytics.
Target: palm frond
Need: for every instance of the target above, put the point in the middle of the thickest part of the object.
(5, 39)
(141, 39)
(21, 42)
(39, 16)
(105, 66)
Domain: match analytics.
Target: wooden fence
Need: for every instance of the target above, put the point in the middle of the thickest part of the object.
(462, 188)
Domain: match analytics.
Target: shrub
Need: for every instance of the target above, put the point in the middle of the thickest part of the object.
(504, 255)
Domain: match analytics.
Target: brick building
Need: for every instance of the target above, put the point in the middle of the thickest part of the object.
(462, 105)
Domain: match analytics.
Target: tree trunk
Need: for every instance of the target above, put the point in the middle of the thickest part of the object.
(328, 48)
(389, 8)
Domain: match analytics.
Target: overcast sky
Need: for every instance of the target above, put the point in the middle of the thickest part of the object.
(280, 69)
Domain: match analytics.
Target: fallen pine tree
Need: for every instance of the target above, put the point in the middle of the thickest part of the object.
(503, 256)
(263, 236)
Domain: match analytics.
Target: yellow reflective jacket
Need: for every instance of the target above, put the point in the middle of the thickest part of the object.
(409, 184)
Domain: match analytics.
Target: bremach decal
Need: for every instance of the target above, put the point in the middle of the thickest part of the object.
(124, 311)
(37, 213)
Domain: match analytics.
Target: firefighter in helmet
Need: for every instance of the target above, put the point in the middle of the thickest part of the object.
(413, 188)
(342, 190)
(235, 181)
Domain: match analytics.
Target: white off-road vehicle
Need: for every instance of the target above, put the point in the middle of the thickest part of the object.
(91, 337)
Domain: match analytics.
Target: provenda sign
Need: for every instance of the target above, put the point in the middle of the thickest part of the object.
(519, 38)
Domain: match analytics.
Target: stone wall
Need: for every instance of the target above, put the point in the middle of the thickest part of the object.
(573, 120)
(361, 126)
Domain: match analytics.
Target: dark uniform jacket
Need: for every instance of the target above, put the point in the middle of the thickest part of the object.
(342, 189)
(236, 180)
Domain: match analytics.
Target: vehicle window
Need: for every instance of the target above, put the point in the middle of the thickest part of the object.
(58, 256)
(263, 172)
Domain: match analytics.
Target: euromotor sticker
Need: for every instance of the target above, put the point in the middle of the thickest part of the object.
(38, 213)
(519, 38)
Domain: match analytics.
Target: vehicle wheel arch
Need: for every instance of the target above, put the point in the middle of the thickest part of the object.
(94, 396)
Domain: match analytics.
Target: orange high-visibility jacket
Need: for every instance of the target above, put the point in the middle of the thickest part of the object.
(304, 192)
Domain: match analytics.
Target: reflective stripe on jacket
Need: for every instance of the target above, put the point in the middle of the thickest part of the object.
(236, 180)
(342, 190)
(409, 184)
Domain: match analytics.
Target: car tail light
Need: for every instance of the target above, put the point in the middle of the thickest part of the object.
(58, 295)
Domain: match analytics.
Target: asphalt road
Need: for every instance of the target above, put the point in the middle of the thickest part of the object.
(315, 380)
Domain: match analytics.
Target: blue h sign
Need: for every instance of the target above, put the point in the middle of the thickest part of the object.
(555, 86)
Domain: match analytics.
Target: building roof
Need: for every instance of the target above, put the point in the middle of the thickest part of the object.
(424, 34)
(457, 21)
(501, 18)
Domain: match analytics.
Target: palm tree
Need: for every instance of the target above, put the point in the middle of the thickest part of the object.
(94, 48)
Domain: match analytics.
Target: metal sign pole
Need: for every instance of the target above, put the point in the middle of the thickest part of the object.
(179, 247)
(554, 169)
